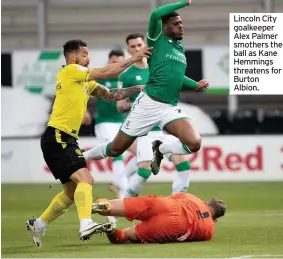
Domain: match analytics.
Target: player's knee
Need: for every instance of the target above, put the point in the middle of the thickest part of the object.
(90, 181)
(82, 176)
(194, 144)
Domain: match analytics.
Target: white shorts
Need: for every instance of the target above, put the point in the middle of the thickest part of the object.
(147, 113)
(106, 131)
(144, 144)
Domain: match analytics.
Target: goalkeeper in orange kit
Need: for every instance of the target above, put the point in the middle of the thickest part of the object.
(181, 217)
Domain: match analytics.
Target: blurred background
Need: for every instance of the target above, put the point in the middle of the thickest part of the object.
(33, 32)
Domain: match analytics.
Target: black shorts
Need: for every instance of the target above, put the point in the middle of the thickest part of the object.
(61, 153)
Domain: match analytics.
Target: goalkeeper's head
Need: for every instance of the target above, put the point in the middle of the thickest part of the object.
(217, 207)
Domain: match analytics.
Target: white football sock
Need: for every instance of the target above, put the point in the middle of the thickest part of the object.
(119, 177)
(96, 153)
(131, 167)
(177, 148)
(135, 185)
(40, 224)
(168, 156)
(84, 223)
(181, 182)
(113, 219)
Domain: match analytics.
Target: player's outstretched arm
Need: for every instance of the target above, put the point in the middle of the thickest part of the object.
(190, 83)
(113, 70)
(154, 26)
(115, 94)
(202, 85)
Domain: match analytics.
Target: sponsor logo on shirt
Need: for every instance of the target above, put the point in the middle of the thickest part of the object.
(120, 84)
(78, 151)
(182, 60)
(138, 78)
(79, 67)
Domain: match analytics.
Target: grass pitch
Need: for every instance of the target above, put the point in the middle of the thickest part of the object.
(252, 226)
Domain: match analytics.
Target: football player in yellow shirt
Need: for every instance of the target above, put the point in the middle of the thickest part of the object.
(74, 84)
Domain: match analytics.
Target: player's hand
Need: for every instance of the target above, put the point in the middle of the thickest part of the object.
(143, 52)
(202, 85)
(189, 2)
(141, 87)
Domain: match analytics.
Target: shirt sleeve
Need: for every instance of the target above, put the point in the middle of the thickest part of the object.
(155, 24)
(79, 73)
(190, 83)
(92, 85)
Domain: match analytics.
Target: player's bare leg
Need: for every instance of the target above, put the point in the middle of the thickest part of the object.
(188, 136)
(112, 149)
(189, 142)
(107, 207)
(120, 144)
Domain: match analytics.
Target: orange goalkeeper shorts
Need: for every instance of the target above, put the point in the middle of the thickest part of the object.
(163, 218)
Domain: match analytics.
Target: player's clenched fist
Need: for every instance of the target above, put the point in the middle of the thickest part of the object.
(189, 2)
(202, 85)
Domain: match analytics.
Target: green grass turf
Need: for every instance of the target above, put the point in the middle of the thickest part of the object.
(253, 224)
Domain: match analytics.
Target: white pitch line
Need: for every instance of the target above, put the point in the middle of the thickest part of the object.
(258, 256)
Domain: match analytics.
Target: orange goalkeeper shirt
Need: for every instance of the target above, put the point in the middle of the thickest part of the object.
(201, 224)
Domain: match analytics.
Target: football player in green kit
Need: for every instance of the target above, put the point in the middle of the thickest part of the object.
(138, 74)
(108, 122)
(157, 104)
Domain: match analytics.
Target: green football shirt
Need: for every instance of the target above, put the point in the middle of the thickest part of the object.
(167, 64)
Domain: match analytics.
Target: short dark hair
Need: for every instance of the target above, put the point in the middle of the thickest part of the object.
(219, 207)
(73, 45)
(134, 36)
(167, 17)
(116, 52)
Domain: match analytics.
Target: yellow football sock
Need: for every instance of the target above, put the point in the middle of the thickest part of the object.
(83, 200)
(57, 207)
